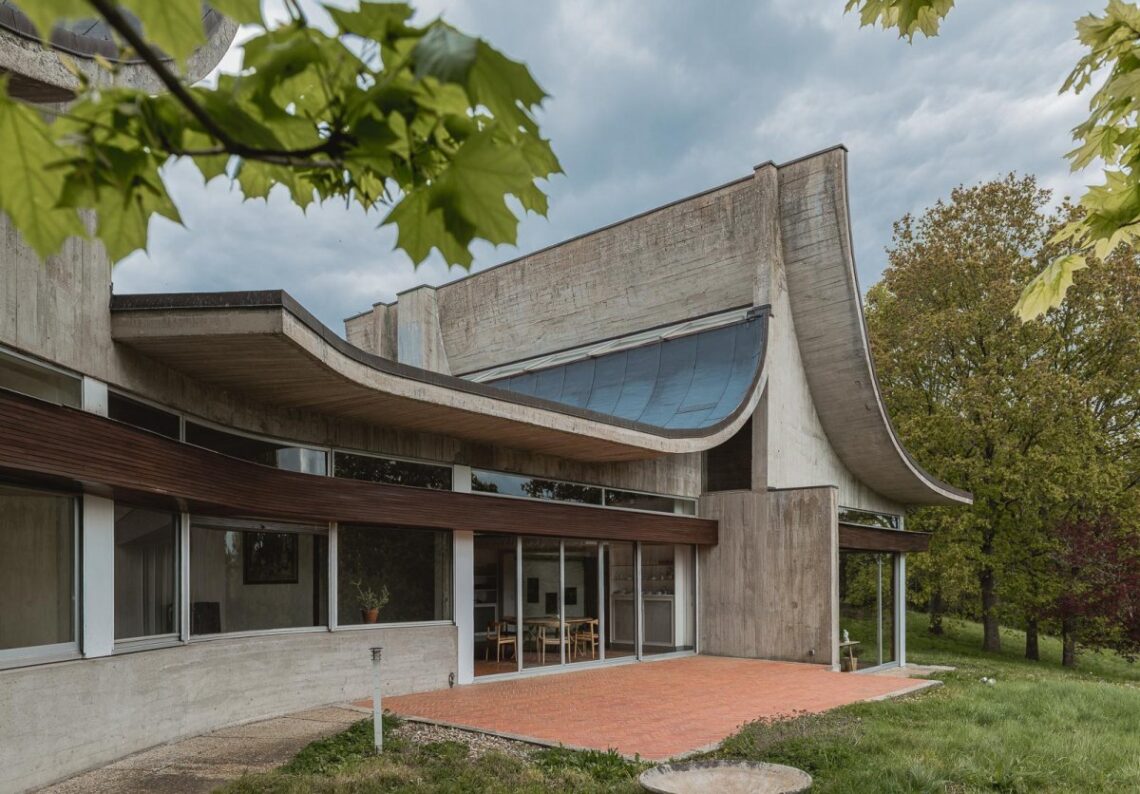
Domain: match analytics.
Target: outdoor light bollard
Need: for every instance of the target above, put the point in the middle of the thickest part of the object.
(377, 711)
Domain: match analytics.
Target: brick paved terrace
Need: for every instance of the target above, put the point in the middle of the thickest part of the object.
(657, 710)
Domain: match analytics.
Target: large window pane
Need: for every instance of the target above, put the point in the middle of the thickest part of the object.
(866, 607)
(620, 631)
(146, 572)
(267, 453)
(544, 633)
(409, 570)
(393, 472)
(255, 579)
(581, 599)
(660, 598)
(495, 599)
(37, 568)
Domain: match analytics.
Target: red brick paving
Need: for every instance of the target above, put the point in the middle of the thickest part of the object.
(657, 710)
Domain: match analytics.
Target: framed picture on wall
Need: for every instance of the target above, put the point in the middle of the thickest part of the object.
(532, 590)
(571, 596)
(269, 558)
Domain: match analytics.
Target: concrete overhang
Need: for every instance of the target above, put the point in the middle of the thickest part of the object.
(827, 309)
(267, 347)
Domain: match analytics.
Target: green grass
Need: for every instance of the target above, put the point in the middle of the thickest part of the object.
(346, 763)
(1039, 728)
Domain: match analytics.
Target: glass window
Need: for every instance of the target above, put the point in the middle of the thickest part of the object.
(392, 575)
(865, 518)
(146, 572)
(661, 597)
(620, 633)
(23, 376)
(866, 608)
(267, 453)
(139, 414)
(533, 488)
(728, 467)
(392, 472)
(246, 576)
(37, 568)
(640, 501)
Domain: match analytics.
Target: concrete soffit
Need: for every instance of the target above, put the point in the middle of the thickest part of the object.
(827, 310)
(264, 344)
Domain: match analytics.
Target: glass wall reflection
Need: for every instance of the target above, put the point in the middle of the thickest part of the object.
(866, 609)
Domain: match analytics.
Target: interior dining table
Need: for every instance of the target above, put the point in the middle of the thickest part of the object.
(533, 624)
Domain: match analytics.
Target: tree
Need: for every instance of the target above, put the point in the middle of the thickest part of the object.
(1097, 563)
(1039, 420)
(1111, 214)
(435, 125)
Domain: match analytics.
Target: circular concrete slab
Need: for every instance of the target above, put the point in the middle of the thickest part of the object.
(725, 777)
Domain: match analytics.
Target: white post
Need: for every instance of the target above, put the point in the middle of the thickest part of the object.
(94, 395)
(463, 584)
(98, 576)
(333, 593)
(900, 607)
(377, 709)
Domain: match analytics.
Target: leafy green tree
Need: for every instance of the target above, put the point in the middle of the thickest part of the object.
(433, 125)
(1039, 420)
(1111, 214)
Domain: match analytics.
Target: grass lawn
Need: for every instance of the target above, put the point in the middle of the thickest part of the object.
(1039, 728)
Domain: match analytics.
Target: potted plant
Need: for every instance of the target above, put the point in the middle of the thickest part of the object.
(371, 602)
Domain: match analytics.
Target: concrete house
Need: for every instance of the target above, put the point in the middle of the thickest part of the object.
(661, 437)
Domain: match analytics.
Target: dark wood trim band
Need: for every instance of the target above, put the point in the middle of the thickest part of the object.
(44, 442)
(858, 538)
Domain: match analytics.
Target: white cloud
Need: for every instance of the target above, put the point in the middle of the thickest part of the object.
(651, 102)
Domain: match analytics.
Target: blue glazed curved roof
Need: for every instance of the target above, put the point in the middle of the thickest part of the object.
(692, 382)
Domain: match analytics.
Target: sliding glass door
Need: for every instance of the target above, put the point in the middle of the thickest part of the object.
(866, 608)
(542, 630)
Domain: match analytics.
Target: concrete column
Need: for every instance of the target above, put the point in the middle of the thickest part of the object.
(98, 573)
(419, 340)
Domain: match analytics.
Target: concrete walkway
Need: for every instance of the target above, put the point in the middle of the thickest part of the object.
(657, 710)
(201, 764)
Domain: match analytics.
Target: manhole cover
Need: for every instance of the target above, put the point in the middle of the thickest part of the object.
(725, 777)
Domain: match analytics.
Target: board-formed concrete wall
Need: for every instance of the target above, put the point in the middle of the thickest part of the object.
(769, 588)
(693, 257)
(112, 706)
(58, 310)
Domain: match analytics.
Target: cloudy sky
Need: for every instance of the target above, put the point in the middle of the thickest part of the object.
(651, 102)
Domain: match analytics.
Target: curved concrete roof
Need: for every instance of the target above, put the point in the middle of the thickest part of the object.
(266, 346)
(691, 382)
(827, 309)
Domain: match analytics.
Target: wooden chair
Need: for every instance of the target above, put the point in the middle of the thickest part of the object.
(498, 636)
(586, 635)
(549, 635)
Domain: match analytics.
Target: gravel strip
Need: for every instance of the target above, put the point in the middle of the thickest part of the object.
(478, 744)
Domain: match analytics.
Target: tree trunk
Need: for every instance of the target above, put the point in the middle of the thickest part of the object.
(937, 609)
(991, 638)
(1032, 652)
(1069, 642)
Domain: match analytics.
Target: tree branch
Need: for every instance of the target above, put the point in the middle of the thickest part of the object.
(289, 157)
